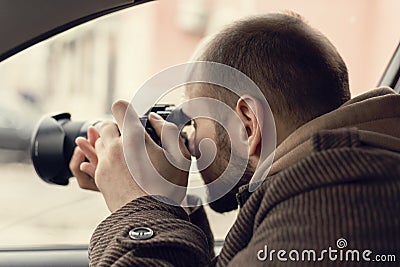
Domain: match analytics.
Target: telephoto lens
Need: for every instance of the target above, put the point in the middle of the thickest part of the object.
(53, 140)
(52, 145)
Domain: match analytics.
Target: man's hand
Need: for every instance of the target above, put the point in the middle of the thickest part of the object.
(149, 165)
(84, 171)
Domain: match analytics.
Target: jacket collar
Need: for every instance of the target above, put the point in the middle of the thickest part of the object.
(376, 111)
(373, 113)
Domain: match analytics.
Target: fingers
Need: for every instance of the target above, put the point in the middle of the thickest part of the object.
(87, 149)
(169, 133)
(85, 171)
(83, 175)
(108, 131)
(88, 168)
(77, 158)
(93, 135)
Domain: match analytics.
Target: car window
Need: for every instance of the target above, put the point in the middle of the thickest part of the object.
(82, 71)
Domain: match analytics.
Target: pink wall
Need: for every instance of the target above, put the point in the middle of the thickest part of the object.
(177, 46)
(364, 32)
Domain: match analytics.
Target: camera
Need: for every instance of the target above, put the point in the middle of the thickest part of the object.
(53, 140)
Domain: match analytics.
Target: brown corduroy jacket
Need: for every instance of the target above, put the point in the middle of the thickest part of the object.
(331, 198)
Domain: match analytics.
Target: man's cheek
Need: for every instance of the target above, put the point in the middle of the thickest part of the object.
(196, 147)
(206, 176)
(191, 142)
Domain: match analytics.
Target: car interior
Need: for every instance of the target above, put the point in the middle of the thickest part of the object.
(28, 24)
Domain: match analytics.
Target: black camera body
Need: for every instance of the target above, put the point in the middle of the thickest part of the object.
(53, 140)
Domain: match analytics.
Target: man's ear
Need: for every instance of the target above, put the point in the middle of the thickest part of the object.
(249, 110)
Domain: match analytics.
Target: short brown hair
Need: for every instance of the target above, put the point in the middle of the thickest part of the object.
(298, 70)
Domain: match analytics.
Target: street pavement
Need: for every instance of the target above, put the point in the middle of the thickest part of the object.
(33, 212)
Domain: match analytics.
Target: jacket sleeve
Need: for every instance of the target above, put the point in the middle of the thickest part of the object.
(172, 239)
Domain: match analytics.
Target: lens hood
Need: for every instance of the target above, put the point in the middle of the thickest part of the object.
(51, 149)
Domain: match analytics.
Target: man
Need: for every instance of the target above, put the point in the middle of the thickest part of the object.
(335, 175)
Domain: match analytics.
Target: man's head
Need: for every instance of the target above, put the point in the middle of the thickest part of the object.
(298, 70)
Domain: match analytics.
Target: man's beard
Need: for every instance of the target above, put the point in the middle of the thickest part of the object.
(228, 201)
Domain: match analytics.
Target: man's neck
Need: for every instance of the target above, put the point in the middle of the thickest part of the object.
(282, 132)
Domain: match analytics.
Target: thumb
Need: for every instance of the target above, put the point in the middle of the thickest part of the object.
(119, 109)
(170, 136)
(124, 111)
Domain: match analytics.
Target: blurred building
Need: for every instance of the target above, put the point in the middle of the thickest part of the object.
(86, 68)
